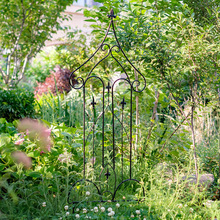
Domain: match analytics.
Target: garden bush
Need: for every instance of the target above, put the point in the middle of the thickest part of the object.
(58, 81)
(16, 103)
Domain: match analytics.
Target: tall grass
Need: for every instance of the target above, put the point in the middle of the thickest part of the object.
(61, 108)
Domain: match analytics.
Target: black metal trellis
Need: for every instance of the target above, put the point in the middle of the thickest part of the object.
(108, 169)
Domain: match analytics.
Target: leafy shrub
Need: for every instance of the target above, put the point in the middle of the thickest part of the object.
(57, 81)
(17, 103)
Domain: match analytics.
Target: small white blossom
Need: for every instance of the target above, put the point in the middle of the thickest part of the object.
(111, 213)
(109, 209)
(66, 207)
(77, 216)
(87, 193)
(191, 210)
(123, 197)
(138, 212)
(44, 204)
(208, 203)
(117, 205)
(132, 216)
(77, 209)
(84, 210)
(180, 206)
(67, 213)
(96, 209)
(102, 209)
(91, 210)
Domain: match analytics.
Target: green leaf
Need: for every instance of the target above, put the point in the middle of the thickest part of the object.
(34, 174)
(2, 166)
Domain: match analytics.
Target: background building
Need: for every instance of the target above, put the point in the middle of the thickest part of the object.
(77, 21)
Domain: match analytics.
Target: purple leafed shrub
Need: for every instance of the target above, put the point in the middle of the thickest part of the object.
(57, 81)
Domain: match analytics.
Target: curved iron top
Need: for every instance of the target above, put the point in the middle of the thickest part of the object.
(117, 48)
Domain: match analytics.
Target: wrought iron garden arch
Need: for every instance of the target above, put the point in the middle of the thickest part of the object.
(108, 90)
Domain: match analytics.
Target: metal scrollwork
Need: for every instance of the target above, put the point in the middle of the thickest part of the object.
(110, 180)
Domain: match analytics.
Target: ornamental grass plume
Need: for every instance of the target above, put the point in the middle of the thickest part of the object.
(36, 132)
(21, 158)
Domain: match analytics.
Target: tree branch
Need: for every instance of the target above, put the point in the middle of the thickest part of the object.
(174, 131)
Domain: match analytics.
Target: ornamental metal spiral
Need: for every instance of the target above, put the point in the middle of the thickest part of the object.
(108, 181)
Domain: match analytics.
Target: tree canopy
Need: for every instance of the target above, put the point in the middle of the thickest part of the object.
(25, 25)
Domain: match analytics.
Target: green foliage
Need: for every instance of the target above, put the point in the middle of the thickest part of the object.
(16, 104)
(204, 10)
(61, 109)
(39, 71)
(179, 56)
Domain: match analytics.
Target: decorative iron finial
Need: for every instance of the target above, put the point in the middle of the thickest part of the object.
(112, 14)
(93, 103)
(123, 103)
(107, 174)
(108, 87)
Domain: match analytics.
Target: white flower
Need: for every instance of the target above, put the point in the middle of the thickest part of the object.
(208, 203)
(113, 213)
(87, 193)
(84, 210)
(117, 205)
(77, 216)
(96, 209)
(132, 216)
(123, 197)
(109, 214)
(67, 213)
(180, 206)
(77, 209)
(138, 212)
(191, 210)
(65, 157)
(109, 209)
(102, 209)
(144, 219)
(66, 207)
(91, 210)
(44, 204)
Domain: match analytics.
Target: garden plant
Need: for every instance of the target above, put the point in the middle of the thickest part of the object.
(175, 45)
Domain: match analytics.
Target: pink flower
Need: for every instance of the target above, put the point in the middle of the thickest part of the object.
(36, 132)
(21, 157)
(46, 132)
(20, 141)
(48, 148)
(92, 160)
